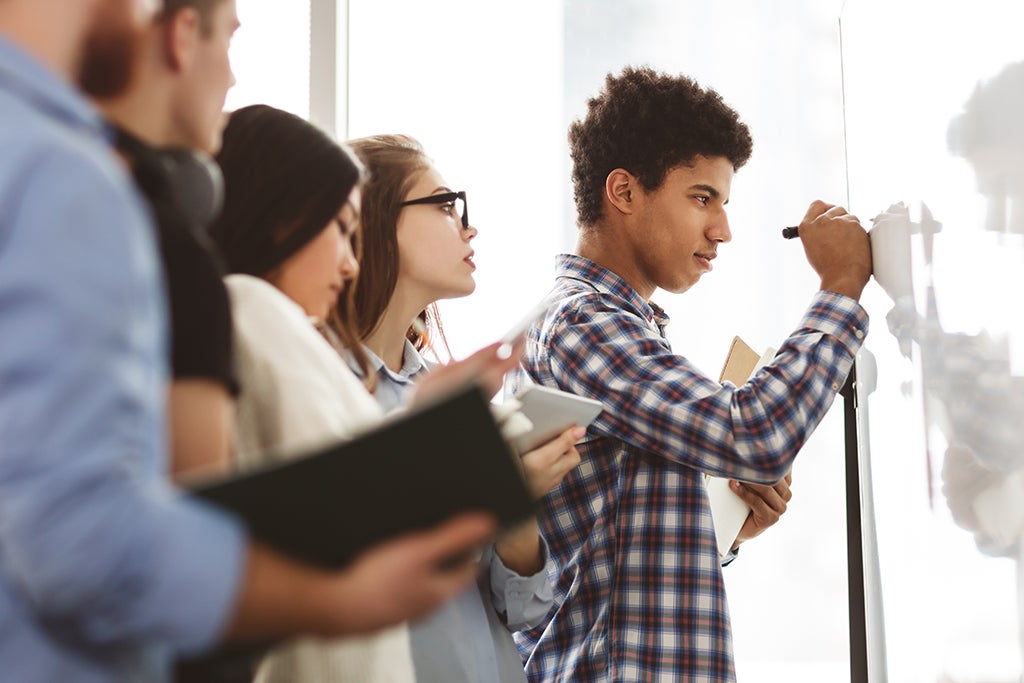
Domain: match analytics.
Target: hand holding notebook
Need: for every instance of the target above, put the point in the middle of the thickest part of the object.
(728, 510)
(417, 469)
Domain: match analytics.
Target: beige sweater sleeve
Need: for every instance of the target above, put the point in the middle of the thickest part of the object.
(297, 393)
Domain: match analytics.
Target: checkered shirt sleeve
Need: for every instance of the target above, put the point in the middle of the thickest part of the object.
(639, 593)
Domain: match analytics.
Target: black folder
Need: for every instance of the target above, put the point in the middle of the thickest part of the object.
(410, 473)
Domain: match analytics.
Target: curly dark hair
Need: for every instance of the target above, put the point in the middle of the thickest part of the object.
(649, 123)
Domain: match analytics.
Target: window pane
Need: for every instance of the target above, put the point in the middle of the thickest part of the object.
(270, 55)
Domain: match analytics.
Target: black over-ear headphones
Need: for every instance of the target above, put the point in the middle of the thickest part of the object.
(186, 182)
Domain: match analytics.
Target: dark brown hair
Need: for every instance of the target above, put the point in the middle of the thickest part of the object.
(284, 181)
(109, 55)
(649, 123)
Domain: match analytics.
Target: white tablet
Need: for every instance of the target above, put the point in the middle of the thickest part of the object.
(552, 412)
(521, 327)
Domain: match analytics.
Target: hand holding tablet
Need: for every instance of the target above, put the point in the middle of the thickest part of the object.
(552, 412)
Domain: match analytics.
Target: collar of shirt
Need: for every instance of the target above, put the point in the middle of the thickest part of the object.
(393, 388)
(32, 82)
(605, 281)
(412, 364)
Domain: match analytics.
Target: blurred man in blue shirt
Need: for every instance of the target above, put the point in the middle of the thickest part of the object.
(95, 551)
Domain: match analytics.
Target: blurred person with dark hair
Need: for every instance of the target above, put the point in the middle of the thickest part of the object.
(639, 596)
(288, 233)
(105, 571)
(167, 124)
(94, 550)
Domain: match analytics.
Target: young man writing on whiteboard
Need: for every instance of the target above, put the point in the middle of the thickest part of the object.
(639, 595)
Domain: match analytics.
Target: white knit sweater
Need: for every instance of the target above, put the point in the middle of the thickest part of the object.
(297, 393)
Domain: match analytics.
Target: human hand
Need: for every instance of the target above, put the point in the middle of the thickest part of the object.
(400, 579)
(486, 367)
(408, 577)
(837, 247)
(767, 505)
(543, 469)
(545, 466)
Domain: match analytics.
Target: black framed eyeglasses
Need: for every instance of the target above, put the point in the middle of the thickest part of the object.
(458, 198)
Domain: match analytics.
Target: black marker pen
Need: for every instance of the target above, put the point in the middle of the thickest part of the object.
(791, 232)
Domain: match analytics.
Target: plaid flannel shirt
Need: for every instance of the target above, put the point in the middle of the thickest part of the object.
(639, 593)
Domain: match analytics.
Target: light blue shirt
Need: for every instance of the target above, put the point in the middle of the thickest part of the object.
(104, 569)
(469, 639)
(393, 388)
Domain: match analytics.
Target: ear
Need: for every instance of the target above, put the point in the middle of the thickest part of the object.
(620, 190)
(181, 38)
